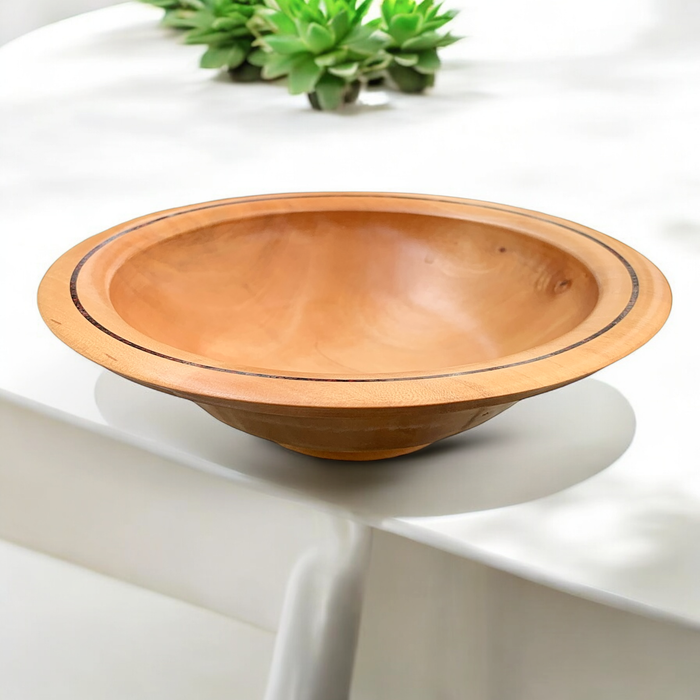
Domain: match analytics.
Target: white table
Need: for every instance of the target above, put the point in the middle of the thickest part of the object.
(105, 117)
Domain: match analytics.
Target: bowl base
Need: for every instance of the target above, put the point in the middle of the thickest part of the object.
(361, 456)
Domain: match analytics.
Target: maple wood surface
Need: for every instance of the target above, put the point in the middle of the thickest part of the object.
(355, 326)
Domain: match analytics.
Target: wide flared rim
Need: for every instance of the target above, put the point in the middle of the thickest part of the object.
(634, 302)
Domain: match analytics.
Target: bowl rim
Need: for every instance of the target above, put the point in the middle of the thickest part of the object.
(634, 303)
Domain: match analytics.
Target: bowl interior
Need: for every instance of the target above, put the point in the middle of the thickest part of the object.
(351, 292)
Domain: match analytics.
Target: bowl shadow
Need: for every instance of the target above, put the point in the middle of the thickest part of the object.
(541, 446)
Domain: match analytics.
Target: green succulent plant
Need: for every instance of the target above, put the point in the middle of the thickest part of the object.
(178, 13)
(414, 41)
(323, 47)
(228, 28)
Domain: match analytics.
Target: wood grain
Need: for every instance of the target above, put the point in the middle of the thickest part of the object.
(353, 326)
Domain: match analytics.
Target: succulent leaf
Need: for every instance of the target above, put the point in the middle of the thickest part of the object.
(279, 21)
(257, 57)
(228, 57)
(428, 40)
(285, 44)
(203, 36)
(410, 80)
(367, 47)
(361, 11)
(277, 65)
(304, 75)
(331, 59)
(223, 24)
(406, 59)
(340, 25)
(428, 61)
(318, 38)
(404, 27)
(164, 4)
(177, 19)
(345, 70)
(448, 39)
(330, 91)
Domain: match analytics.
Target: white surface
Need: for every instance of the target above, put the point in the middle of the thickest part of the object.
(89, 498)
(105, 117)
(464, 631)
(69, 634)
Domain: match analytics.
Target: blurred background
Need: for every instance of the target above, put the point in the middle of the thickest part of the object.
(536, 29)
(17, 18)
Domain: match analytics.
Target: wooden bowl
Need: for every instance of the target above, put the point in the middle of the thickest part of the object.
(348, 325)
